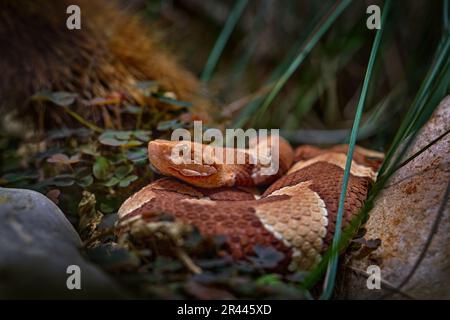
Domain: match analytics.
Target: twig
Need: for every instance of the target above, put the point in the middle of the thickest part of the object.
(187, 261)
(102, 234)
(241, 102)
(83, 121)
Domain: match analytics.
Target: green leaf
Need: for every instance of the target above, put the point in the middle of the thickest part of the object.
(269, 279)
(105, 208)
(113, 142)
(142, 135)
(112, 182)
(127, 181)
(114, 138)
(60, 98)
(132, 143)
(172, 101)
(117, 138)
(137, 156)
(19, 176)
(122, 135)
(266, 257)
(101, 168)
(89, 149)
(68, 132)
(86, 181)
(169, 125)
(122, 171)
(60, 181)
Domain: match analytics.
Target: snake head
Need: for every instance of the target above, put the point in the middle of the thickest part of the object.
(187, 161)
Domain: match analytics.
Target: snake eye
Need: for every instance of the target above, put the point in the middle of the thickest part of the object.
(195, 170)
(198, 173)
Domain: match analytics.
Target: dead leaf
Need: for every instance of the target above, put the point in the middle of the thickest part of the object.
(90, 218)
(61, 158)
(54, 195)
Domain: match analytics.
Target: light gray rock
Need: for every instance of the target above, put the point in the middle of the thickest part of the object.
(37, 244)
(402, 218)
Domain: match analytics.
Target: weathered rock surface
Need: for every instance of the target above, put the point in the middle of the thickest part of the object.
(402, 218)
(37, 244)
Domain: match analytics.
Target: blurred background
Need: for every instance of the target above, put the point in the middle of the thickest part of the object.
(78, 108)
(323, 93)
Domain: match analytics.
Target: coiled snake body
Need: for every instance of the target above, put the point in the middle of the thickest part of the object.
(296, 214)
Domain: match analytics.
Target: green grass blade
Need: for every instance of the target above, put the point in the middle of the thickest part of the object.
(419, 102)
(438, 92)
(441, 60)
(222, 40)
(314, 90)
(375, 123)
(333, 263)
(440, 89)
(244, 60)
(247, 112)
(432, 91)
(323, 27)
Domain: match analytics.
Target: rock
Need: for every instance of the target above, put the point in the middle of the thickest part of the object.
(402, 218)
(37, 244)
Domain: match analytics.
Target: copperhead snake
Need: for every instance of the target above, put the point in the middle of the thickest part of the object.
(296, 214)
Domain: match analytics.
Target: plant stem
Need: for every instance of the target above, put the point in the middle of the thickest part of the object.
(222, 40)
(332, 265)
(323, 26)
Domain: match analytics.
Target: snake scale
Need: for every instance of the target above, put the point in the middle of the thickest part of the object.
(296, 213)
